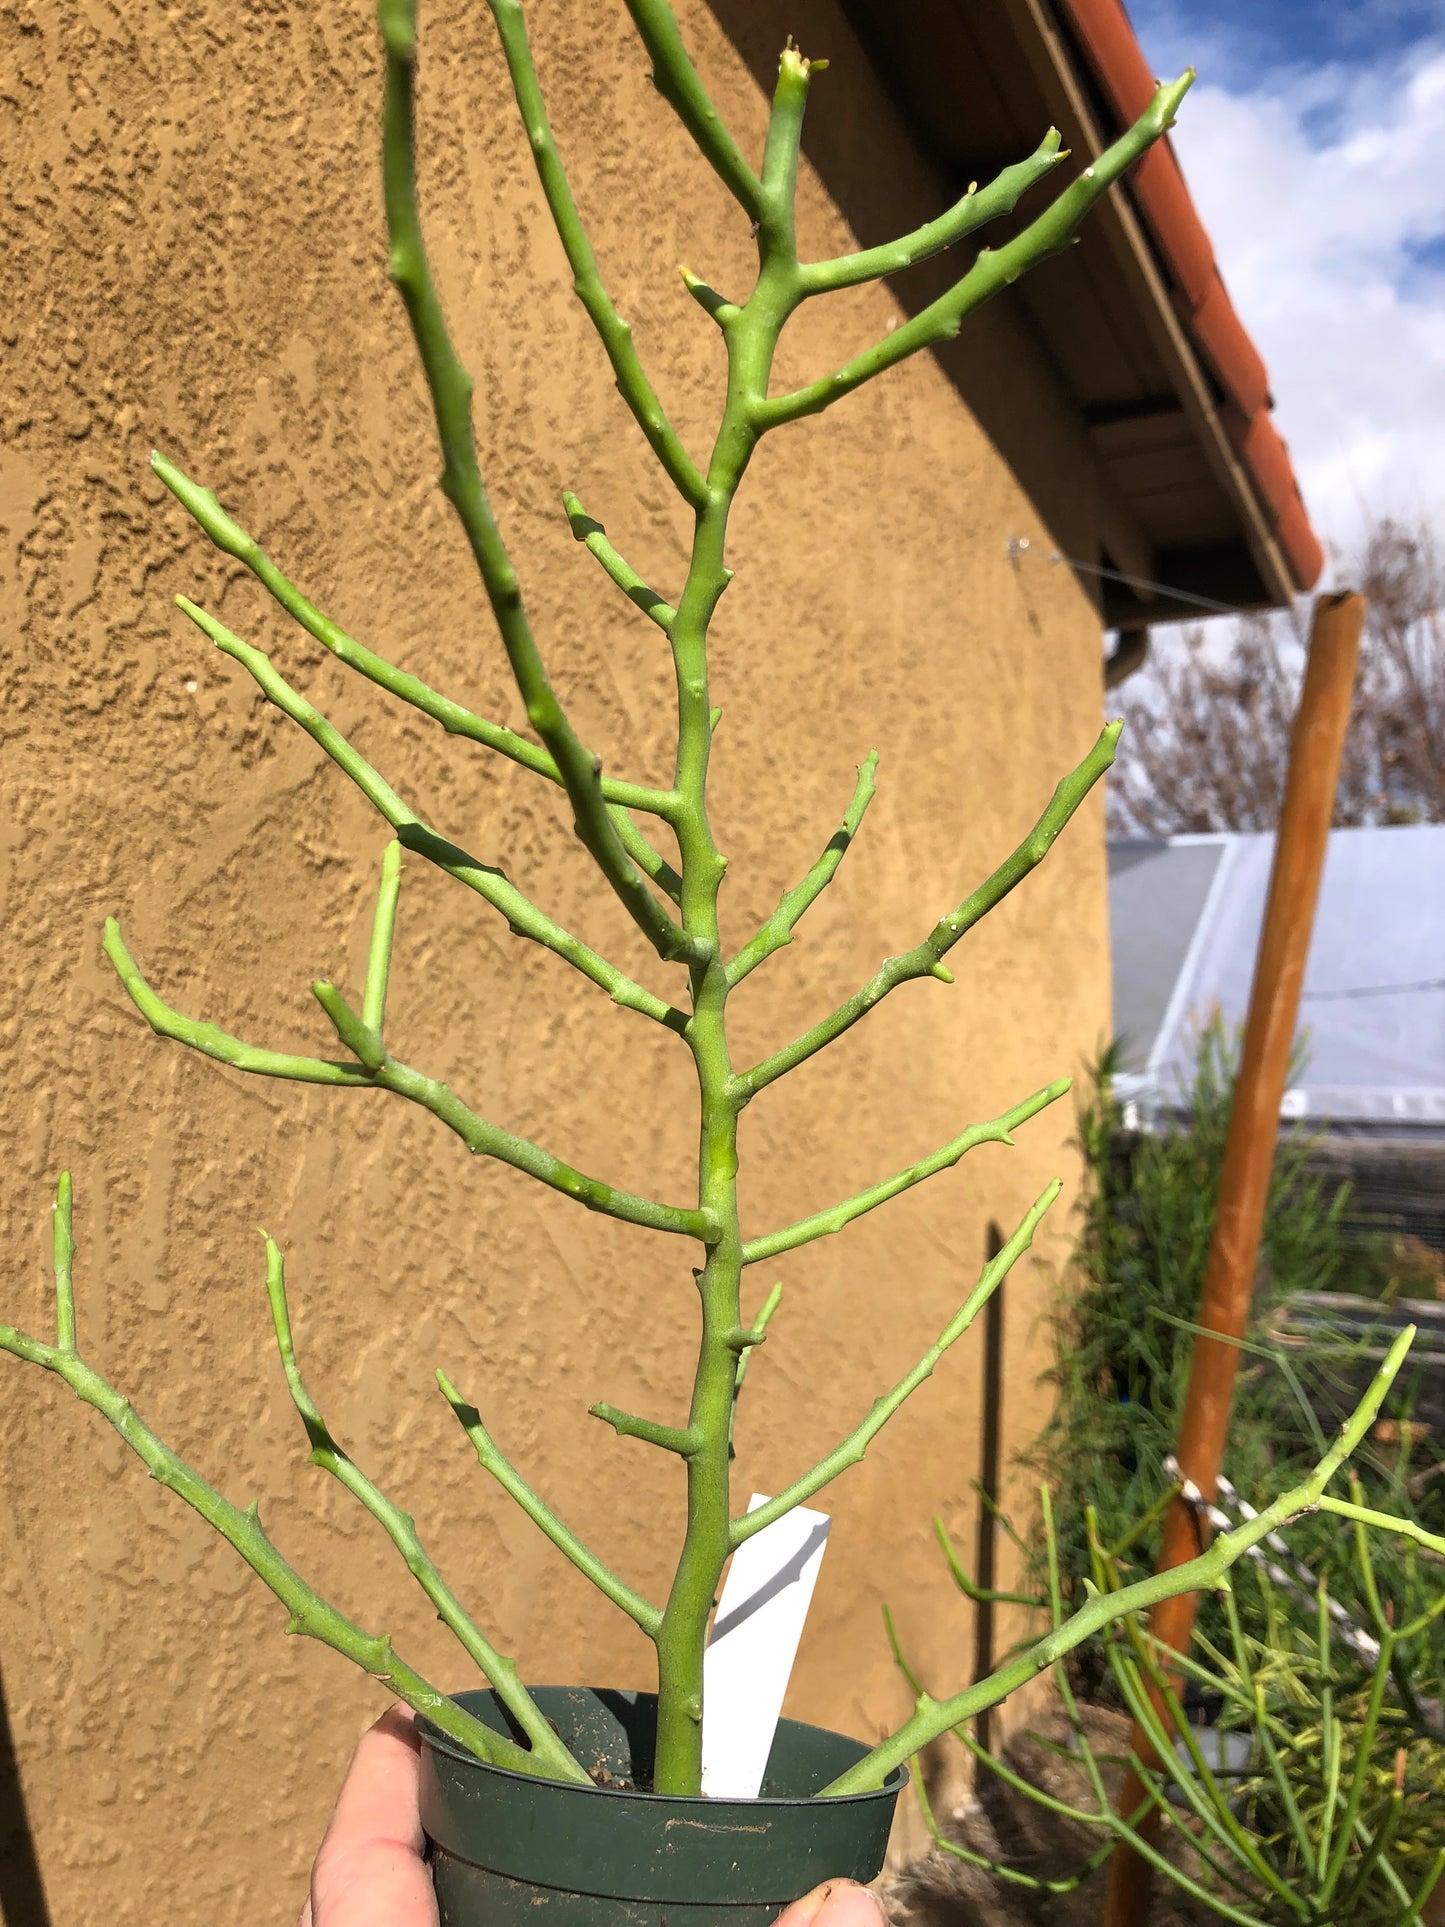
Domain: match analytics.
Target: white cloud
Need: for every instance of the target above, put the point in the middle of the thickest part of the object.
(1323, 190)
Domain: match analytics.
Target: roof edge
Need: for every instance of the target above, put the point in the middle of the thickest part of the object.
(1105, 34)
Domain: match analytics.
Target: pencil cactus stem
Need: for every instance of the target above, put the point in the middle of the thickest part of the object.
(358, 1037)
(612, 330)
(480, 1137)
(823, 1224)
(627, 1425)
(850, 1452)
(721, 310)
(676, 79)
(450, 388)
(308, 1613)
(1104, 1609)
(209, 1039)
(492, 1460)
(231, 539)
(795, 903)
(383, 933)
(970, 212)
(490, 883)
(551, 1758)
(593, 537)
(995, 269)
(924, 961)
(777, 223)
(63, 1258)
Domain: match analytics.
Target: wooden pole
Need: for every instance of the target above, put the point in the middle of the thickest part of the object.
(1304, 827)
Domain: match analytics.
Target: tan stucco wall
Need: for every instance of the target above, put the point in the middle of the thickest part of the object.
(193, 258)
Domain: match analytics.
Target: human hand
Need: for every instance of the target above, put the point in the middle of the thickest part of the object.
(370, 1871)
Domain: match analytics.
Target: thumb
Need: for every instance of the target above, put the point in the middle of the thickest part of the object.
(837, 1903)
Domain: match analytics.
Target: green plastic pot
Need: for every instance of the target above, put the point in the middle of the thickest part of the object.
(507, 1847)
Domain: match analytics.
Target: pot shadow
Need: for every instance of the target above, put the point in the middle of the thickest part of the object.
(22, 1892)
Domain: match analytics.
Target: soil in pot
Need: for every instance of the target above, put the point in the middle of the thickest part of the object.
(508, 1848)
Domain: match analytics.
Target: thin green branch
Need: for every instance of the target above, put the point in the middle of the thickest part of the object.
(63, 1248)
(485, 1140)
(777, 236)
(927, 959)
(1383, 1522)
(1014, 1876)
(231, 539)
(310, 1616)
(209, 1039)
(970, 211)
(613, 332)
(1201, 1574)
(676, 79)
(383, 931)
(490, 883)
(747, 1342)
(358, 1037)
(515, 1486)
(994, 270)
(823, 1224)
(450, 388)
(851, 1450)
(980, 1595)
(650, 861)
(551, 1757)
(779, 928)
(593, 537)
(713, 304)
(683, 1440)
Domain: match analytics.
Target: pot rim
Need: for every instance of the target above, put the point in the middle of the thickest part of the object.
(440, 1742)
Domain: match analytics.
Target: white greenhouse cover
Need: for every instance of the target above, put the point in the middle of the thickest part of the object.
(1186, 916)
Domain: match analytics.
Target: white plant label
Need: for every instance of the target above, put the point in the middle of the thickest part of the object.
(752, 1646)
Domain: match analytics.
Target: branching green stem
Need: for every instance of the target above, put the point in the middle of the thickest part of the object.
(491, 884)
(994, 270)
(972, 210)
(933, 1718)
(613, 331)
(227, 535)
(593, 537)
(485, 1140)
(1383, 1522)
(852, 1449)
(823, 1224)
(627, 1425)
(634, 870)
(927, 959)
(779, 928)
(550, 1757)
(676, 79)
(450, 387)
(566, 1541)
(310, 1616)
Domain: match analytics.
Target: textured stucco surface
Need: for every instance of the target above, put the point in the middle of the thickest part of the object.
(193, 259)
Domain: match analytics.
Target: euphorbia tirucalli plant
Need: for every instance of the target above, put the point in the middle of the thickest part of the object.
(653, 846)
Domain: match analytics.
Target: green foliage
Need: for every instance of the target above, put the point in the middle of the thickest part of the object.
(1124, 1322)
(1329, 1812)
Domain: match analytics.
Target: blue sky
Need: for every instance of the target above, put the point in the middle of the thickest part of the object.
(1314, 145)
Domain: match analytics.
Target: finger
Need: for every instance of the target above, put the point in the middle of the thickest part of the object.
(837, 1903)
(370, 1871)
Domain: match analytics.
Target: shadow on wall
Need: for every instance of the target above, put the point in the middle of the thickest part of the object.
(22, 1893)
